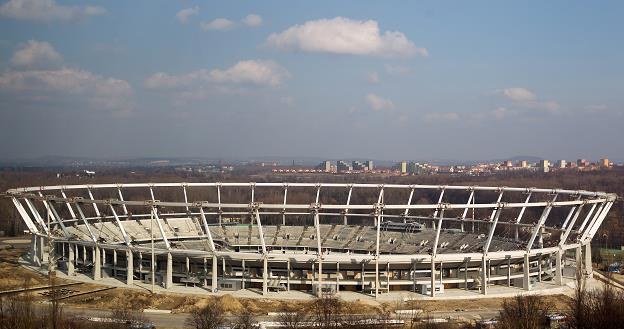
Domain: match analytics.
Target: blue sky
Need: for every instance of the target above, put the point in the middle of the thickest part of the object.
(401, 80)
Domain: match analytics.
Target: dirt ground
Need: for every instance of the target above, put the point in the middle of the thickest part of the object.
(13, 276)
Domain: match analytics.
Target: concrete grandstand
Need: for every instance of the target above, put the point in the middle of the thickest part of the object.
(320, 238)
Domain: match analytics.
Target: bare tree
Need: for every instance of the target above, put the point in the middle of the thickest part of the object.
(245, 319)
(326, 312)
(210, 316)
(523, 312)
(291, 317)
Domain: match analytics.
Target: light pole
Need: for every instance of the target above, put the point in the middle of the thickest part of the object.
(152, 240)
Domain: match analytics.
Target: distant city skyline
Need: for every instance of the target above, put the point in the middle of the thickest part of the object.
(355, 79)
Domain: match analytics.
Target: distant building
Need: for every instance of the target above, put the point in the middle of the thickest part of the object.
(562, 163)
(357, 165)
(343, 166)
(544, 165)
(508, 164)
(403, 167)
(369, 165)
(325, 166)
(605, 163)
(523, 164)
(582, 163)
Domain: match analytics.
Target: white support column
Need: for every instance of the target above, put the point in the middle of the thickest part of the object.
(219, 201)
(378, 210)
(120, 226)
(433, 277)
(169, 273)
(114, 271)
(527, 270)
(589, 270)
(463, 217)
(539, 268)
(572, 209)
(589, 234)
(319, 250)
(265, 276)
(288, 276)
(521, 213)
(500, 197)
(25, 217)
(509, 271)
(564, 236)
(346, 211)
(497, 213)
(484, 276)
(160, 228)
(215, 270)
(437, 236)
(207, 229)
(97, 267)
(85, 222)
(409, 202)
(71, 259)
(540, 223)
(243, 275)
(558, 267)
(587, 217)
(185, 197)
(36, 215)
(435, 213)
(205, 272)
(284, 209)
(129, 267)
(71, 211)
(337, 277)
(97, 211)
(121, 198)
(34, 250)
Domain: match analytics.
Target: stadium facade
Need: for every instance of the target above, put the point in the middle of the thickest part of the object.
(318, 237)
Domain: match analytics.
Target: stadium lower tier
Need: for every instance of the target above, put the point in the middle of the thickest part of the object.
(238, 263)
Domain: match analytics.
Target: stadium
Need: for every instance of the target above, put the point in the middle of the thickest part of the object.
(320, 238)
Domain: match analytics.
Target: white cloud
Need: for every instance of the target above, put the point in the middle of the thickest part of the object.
(47, 10)
(252, 20)
(36, 54)
(518, 94)
(345, 36)
(441, 116)
(379, 103)
(373, 77)
(218, 24)
(249, 72)
(100, 92)
(185, 14)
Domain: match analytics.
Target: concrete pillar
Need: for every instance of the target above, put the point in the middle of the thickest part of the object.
(441, 271)
(484, 276)
(526, 281)
(188, 266)
(214, 273)
(433, 277)
(589, 270)
(388, 277)
(41, 248)
(103, 264)
(376, 277)
(84, 254)
(466, 275)
(337, 277)
(223, 268)
(97, 267)
(558, 268)
(320, 276)
(265, 276)
(205, 272)
(71, 258)
(114, 263)
(509, 272)
(539, 268)
(288, 277)
(129, 267)
(243, 275)
(362, 276)
(34, 250)
(169, 273)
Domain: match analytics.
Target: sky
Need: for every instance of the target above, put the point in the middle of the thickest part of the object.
(416, 80)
